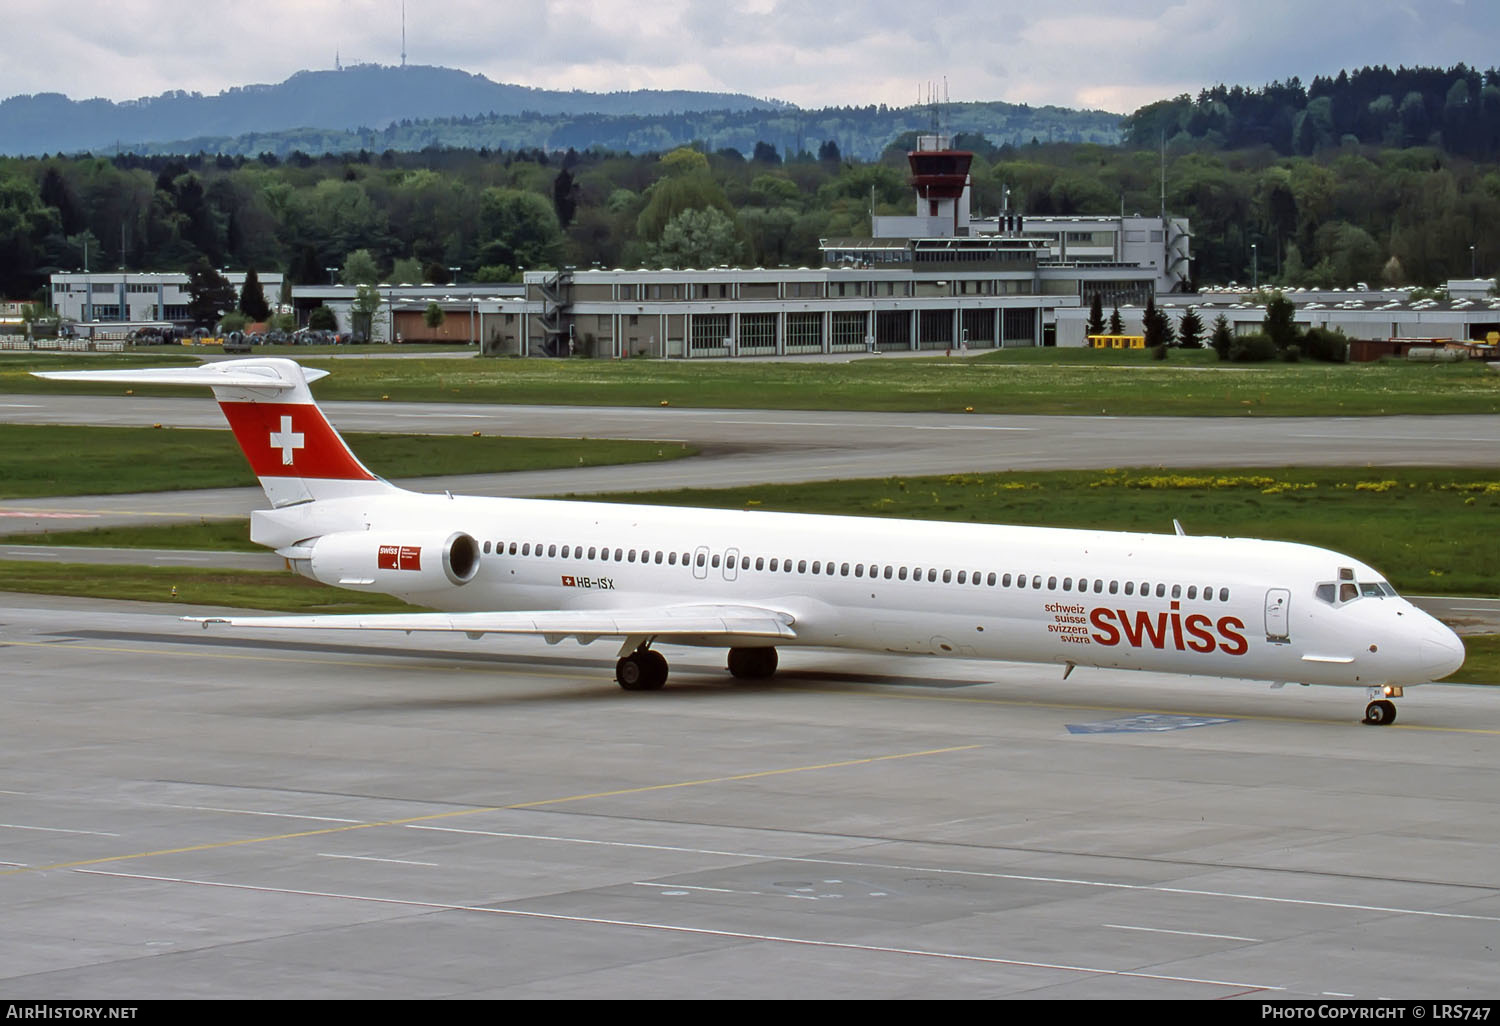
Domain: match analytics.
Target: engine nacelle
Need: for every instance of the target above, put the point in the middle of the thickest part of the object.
(389, 561)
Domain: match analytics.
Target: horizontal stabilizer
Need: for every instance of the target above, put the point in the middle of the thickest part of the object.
(230, 374)
(661, 622)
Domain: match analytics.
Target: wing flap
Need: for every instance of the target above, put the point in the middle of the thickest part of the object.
(661, 622)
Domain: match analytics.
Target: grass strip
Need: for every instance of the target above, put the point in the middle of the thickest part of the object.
(1018, 381)
(251, 589)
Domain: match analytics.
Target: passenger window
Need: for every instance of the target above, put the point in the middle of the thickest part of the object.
(1177, 591)
(716, 561)
(671, 559)
(512, 548)
(760, 563)
(802, 566)
(774, 563)
(1036, 581)
(947, 576)
(963, 576)
(1020, 580)
(1223, 594)
(1192, 591)
(1114, 587)
(1161, 591)
(1067, 584)
(888, 571)
(702, 559)
(1098, 586)
(817, 566)
(843, 569)
(859, 569)
(617, 555)
(1052, 584)
(526, 549)
(486, 548)
(1130, 587)
(901, 573)
(992, 579)
(658, 557)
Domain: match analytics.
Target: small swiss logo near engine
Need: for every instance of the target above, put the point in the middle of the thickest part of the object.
(399, 557)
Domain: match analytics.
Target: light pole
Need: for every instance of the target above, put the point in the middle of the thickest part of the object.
(1473, 266)
(453, 276)
(1255, 266)
(332, 275)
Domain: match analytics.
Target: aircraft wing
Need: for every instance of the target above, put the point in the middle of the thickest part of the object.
(663, 623)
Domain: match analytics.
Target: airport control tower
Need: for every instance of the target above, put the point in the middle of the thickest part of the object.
(940, 178)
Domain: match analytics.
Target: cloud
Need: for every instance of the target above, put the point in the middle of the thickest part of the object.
(1107, 54)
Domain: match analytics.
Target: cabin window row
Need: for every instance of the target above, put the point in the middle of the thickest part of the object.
(873, 571)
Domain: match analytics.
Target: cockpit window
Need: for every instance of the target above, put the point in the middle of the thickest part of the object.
(1346, 590)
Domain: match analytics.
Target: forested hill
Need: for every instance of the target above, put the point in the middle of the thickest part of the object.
(1457, 110)
(365, 96)
(860, 133)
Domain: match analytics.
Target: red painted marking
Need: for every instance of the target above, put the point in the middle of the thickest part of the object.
(399, 557)
(291, 440)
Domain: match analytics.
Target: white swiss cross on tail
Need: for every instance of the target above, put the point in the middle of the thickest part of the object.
(286, 440)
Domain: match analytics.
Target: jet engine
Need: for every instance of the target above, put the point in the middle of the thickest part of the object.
(388, 561)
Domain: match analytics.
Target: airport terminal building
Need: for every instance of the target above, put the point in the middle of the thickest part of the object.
(937, 279)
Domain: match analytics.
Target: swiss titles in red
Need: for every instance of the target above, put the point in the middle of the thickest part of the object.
(1163, 630)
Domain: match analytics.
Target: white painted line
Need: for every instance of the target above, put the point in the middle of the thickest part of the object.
(699, 931)
(21, 406)
(965, 427)
(679, 888)
(252, 812)
(56, 830)
(1184, 933)
(978, 874)
(371, 858)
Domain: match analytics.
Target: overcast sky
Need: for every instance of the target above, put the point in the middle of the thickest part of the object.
(1108, 54)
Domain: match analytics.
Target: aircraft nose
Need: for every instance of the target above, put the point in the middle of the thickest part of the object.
(1441, 652)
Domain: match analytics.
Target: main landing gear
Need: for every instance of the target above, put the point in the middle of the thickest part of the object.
(645, 669)
(1381, 712)
(642, 670)
(752, 663)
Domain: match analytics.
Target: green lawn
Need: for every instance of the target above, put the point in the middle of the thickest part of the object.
(246, 589)
(1039, 381)
(40, 460)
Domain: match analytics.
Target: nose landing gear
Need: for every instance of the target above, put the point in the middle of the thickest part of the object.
(1381, 712)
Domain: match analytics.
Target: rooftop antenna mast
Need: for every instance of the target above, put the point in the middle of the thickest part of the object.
(403, 33)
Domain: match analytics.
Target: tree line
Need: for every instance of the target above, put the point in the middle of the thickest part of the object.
(1344, 214)
(1455, 109)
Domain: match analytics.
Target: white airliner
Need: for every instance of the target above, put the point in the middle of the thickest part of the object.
(750, 581)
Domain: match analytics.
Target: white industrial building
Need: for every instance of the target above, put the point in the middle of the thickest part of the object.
(136, 296)
(1471, 311)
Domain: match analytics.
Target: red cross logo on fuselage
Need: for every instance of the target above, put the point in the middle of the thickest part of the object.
(287, 440)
